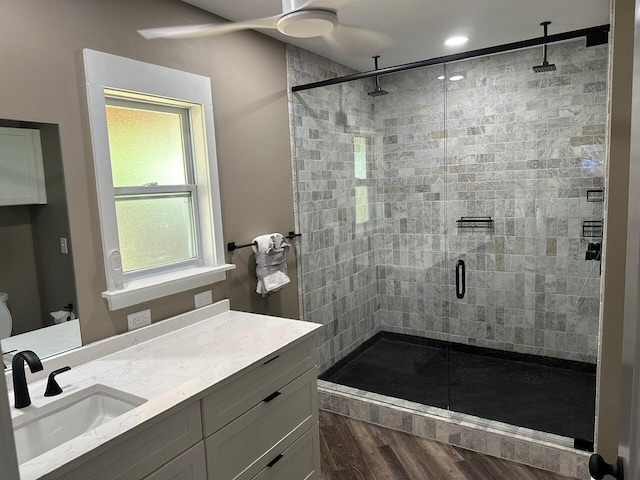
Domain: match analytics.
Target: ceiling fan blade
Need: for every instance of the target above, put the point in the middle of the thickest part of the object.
(358, 41)
(207, 29)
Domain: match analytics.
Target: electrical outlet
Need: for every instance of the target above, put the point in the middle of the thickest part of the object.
(64, 247)
(203, 299)
(139, 319)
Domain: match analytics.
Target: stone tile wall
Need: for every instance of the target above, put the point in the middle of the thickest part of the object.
(339, 287)
(521, 147)
(504, 142)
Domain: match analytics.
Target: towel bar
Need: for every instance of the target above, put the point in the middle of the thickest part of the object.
(231, 246)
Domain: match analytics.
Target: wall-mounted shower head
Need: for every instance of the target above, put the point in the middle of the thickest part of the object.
(378, 91)
(545, 66)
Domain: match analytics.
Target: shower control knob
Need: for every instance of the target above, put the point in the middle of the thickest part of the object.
(598, 468)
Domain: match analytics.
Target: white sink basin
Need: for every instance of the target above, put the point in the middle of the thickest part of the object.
(42, 429)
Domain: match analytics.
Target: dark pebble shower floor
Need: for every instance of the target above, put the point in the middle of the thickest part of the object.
(548, 395)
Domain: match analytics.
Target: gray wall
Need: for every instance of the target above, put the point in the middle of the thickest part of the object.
(504, 142)
(49, 223)
(43, 81)
(18, 271)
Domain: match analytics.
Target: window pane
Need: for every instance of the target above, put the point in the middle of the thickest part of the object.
(155, 229)
(146, 146)
(362, 204)
(360, 157)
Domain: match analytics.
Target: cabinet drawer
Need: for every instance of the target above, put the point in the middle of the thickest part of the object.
(246, 391)
(190, 465)
(146, 451)
(301, 461)
(246, 445)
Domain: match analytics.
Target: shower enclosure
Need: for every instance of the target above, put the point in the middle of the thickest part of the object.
(452, 232)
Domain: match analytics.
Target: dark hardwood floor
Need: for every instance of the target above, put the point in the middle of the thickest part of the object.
(355, 450)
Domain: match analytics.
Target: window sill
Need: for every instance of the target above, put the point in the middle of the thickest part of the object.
(145, 289)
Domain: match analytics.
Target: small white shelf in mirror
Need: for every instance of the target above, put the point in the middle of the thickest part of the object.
(21, 169)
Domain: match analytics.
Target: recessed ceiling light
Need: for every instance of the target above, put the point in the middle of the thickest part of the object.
(455, 78)
(455, 41)
(441, 77)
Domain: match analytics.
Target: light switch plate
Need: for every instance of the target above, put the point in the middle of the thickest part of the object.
(203, 299)
(64, 247)
(139, 319)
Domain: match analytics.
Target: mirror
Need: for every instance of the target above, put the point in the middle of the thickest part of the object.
(39, 303)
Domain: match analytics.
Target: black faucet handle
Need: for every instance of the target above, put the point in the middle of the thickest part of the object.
(53, 388)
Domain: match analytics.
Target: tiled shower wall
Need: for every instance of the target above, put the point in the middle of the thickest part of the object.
(522, 148)
(337, 255)
(504, 142)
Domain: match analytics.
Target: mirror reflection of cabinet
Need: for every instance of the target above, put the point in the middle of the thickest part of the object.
(36, 253)
(22, 178)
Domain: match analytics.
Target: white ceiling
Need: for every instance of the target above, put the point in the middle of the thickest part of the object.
(403, 31)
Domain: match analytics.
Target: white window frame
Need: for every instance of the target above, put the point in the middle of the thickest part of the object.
(106, 72)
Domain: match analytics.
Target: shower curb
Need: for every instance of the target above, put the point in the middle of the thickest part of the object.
(546, 452)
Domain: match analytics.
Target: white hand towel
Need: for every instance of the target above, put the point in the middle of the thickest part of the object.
(271, 263)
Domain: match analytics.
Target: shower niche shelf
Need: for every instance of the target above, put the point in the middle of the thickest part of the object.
(475, 222)
(595, 195)
(592, 228)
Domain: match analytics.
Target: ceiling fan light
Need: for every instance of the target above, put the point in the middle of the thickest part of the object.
(307, 23)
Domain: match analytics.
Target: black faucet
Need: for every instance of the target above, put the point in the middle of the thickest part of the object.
(20, 390)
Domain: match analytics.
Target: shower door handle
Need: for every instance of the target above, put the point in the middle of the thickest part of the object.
(460, 279)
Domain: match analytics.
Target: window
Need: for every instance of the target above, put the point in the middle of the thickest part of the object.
(154, 183)
(156, 173)
(360, 173)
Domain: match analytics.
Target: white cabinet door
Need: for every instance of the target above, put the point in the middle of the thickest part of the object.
(188, 466)
(143, 453)
(241, 449)
(301, 461)
(21, 170)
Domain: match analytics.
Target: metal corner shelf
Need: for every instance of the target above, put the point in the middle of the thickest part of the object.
(475, 222)
(592, 228)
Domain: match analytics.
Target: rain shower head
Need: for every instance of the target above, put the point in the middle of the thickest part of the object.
(378, 91)
(545, 66)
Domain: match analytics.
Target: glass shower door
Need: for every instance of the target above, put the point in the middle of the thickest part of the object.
(412, 259)
(519, 167)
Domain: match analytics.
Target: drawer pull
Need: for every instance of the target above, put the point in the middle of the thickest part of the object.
(271, 397)
(274, 461)
(271, 360)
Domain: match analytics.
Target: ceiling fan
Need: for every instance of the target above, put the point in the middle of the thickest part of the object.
(298, 19)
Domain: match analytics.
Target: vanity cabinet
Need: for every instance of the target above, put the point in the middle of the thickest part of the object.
(21, 168)
(144, 452)
(261, 424)
(284, 407)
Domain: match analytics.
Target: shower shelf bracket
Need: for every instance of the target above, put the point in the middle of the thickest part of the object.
(475, 222)
(595, 195)
(592, 228)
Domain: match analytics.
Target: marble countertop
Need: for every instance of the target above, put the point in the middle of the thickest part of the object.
(44, 341)
(170, 371)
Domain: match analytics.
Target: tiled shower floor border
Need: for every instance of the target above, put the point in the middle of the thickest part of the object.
(538, 449)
